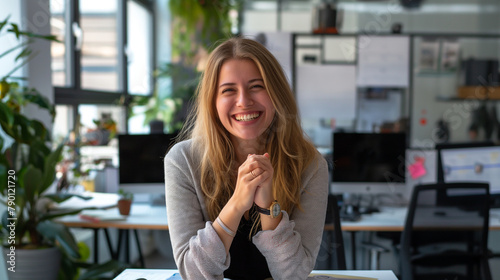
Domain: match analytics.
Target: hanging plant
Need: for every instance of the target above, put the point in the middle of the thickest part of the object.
(199, 24)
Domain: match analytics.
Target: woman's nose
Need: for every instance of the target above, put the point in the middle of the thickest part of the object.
(244, 99)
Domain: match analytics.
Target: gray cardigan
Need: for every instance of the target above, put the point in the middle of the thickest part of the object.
(290, 249)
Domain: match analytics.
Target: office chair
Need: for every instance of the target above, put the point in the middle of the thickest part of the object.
(446, 232)
(335, 250)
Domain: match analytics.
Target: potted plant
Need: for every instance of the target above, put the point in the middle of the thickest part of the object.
(167, 106)
(125, 202)
(27, 169)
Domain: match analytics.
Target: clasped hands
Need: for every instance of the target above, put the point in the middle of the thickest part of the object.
(254, 183)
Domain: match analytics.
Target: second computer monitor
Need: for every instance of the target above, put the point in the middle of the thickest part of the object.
(474, 164)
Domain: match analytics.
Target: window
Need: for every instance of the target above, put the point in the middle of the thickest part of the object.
(96, 65)
(100, 45)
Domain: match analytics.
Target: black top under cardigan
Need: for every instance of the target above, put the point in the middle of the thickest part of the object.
(246, 260)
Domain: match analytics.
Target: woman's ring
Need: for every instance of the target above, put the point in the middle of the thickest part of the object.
(253, 174)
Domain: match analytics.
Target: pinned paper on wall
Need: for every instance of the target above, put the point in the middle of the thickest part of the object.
(383, 61)
(326, 91)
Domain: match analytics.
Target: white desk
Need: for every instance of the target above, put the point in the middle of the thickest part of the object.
(142, 216)
(145, 216)
(390, 219)
(162, 274)
(393, 219)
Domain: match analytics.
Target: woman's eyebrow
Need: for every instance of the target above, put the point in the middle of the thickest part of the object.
(256, 80)
(227, 84)
(251, 81)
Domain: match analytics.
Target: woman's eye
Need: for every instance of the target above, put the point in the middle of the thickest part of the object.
(226, 90)
(257, 86)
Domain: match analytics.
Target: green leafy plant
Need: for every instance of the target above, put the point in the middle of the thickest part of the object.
(125, 195)
(199, 23)
(28, 165)
(165, 105)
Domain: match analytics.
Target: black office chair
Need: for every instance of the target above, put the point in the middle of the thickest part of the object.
(332, 250)
(446, 232)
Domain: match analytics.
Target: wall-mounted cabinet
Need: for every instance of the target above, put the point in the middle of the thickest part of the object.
(452, 77)
(360, 82)
(350, 81)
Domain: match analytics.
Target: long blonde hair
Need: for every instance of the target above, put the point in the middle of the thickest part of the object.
(290, 151)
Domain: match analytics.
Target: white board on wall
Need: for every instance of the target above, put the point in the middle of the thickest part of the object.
(326, 91)
(383, 61)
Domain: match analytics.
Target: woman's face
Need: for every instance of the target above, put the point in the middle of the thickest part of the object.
(242, 102)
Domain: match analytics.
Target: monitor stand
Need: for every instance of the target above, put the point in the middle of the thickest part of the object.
(352, 208)
(153, 199)
(349, 210)
(157, 200)
(350, 213)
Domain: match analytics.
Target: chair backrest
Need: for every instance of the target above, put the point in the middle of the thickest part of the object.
(332, 221)
(443, 217)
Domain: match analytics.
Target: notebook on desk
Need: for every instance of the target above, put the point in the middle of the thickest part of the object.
(314, 276)
(162, 274)
(97, 216)
(97, 200)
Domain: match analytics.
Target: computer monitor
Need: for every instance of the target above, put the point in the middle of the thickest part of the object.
(140, 159)
(474, 164)
(369, 163)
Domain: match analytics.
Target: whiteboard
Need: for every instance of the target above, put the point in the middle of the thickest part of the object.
(383, 61)
(326, 91)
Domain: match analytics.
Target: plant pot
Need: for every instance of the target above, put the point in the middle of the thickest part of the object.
(33, 264)
(124, 206)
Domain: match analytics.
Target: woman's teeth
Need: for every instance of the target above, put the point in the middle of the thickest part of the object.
(247, 117)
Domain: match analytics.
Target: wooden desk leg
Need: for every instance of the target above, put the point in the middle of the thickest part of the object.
(353, 249)
(96, 245)
(141, 258)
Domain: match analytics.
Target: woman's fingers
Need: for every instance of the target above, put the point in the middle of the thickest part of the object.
(254, 178)
(262, 161)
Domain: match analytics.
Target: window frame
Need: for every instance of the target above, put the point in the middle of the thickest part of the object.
(74, 95)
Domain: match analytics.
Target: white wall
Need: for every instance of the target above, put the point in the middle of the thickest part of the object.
(33, 16)
(36, 18)
(434, 16)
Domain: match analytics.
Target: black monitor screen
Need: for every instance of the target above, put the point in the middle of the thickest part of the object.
(369, 157)
(141, 156)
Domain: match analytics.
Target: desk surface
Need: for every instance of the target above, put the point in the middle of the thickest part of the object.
(393, 219)
(142, 216)
(145, 216)
(162, 274)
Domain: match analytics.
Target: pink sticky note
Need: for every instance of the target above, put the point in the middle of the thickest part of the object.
(417, 169)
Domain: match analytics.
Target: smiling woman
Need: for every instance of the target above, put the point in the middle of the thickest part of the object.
(245, 191)
(243, 104)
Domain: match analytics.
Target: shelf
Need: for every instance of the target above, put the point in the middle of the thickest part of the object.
(479, 92)
(435, 74)
(471, 93)
(308, 47)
